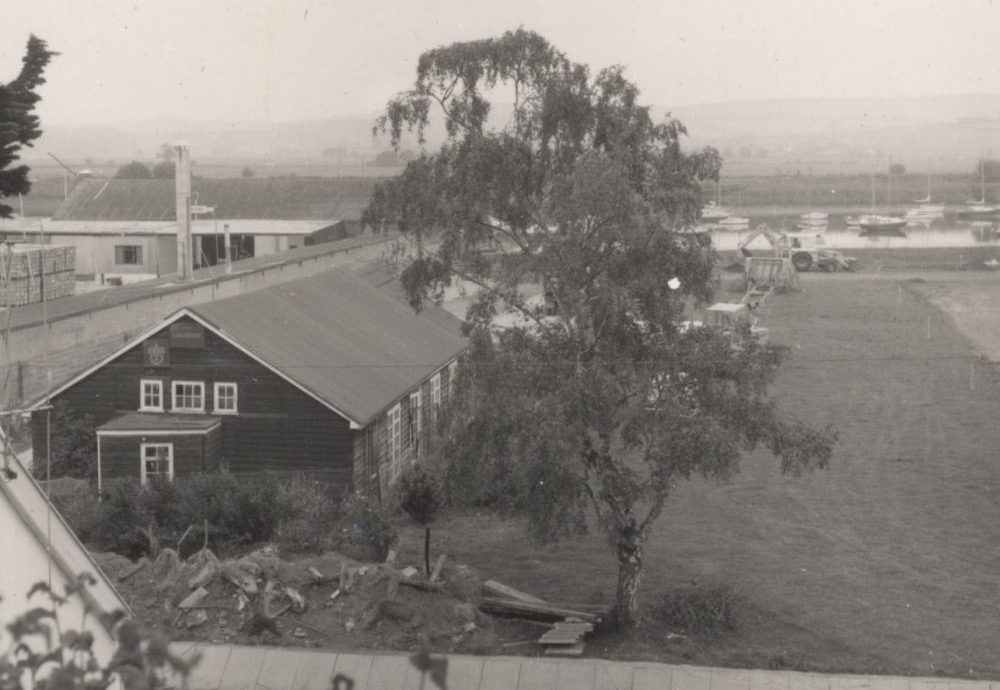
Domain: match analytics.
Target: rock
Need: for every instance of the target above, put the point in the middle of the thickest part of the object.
(349, 625)
(299, 632)
(469, 627)
(298, 601)
(241, 576)
(208, 572)
(166, 567)
(408, 572)
(466, 612)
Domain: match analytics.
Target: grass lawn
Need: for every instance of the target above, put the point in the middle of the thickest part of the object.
(887, 562)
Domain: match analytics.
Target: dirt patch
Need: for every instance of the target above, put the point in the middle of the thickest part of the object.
(319, 601)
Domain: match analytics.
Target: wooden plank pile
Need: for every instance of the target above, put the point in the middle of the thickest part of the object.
(30, 271)
(566, 637)
(570, 626)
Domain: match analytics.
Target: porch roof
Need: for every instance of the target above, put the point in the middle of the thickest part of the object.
(159, 422)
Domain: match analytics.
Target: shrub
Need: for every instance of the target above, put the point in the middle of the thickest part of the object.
(257, 516)
(122, 514)
(705, 611)
(307, 510)
(419, 494)
(73, 446)
(367, 531)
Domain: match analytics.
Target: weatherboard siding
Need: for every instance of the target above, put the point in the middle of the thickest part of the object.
(277, 428)
(192, 454)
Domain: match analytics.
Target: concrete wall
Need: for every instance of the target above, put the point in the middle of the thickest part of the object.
(95, 254)
(70, 344)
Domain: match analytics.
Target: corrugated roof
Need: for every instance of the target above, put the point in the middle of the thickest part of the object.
(151, 421)
(340, 337)
(265, 198)
(137, 228)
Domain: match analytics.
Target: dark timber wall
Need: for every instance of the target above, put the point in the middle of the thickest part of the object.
(278, 427)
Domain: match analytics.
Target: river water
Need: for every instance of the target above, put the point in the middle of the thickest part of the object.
(939, 232)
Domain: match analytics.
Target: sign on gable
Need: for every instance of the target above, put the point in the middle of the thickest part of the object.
(185, 334)
(155, 353)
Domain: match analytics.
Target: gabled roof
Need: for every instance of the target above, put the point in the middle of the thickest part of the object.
(264, 198)
(337, 336)
(349, 342)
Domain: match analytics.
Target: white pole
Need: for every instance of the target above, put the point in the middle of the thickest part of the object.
(229, 262)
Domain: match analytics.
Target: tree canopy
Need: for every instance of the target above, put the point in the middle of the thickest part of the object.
(19, 125)
(135, 170)
(586, 406)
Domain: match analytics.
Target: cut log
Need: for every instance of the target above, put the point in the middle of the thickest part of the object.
(438, 565)
(193, 598)
(501, 590)
(523, 609)
(316, 574)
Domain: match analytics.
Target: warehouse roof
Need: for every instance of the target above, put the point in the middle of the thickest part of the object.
(338, 336)
(32, 228)
(264, 198)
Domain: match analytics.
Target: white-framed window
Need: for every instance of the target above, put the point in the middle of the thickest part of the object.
(416, 417)
(452, 373)
(225, 395)
(436, 389)
(150, 395)
(157, 460)
(395, 440)
(188, 396)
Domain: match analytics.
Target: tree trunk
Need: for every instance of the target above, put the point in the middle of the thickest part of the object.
(629, 574)
(427, 550)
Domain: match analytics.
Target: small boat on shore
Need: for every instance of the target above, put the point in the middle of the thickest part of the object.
(875, 223)
(978, 208)
(713, 213)
(814, 218)
(734, 223)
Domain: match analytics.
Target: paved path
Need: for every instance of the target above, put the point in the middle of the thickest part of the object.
(225, 667)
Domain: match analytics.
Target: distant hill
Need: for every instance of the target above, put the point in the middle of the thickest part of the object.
(946, 132)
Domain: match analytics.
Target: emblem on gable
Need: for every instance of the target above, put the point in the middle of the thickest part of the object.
(155, 353)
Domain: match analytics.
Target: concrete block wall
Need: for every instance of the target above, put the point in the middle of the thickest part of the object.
(79, 340)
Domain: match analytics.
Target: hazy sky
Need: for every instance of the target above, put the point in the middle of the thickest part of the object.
(298, 59)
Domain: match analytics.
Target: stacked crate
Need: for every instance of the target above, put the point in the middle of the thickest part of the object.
(27, 271)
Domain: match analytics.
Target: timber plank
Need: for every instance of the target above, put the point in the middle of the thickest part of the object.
(576, 675)
(242, 669)
(612, 676)
(278, 669)
(393, 673)
(538, 674)
(539, 611)
(357, 667)
(500, 589)
(313, 670)
(500, 674)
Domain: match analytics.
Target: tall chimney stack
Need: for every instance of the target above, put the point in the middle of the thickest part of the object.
(182, 184)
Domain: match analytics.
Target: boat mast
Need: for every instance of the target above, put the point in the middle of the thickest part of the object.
(873, 191)
(982, 179)
(888, 210)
